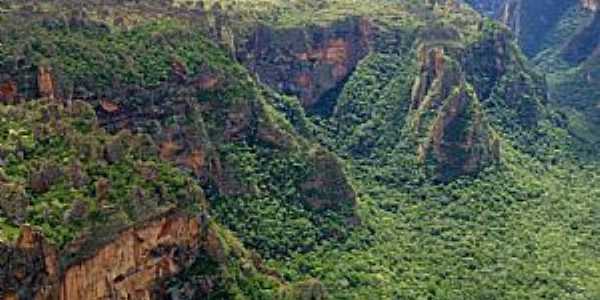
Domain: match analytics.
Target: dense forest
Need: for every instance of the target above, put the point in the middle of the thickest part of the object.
(301, 149)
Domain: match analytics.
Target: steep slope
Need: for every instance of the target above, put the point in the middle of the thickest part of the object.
(192, 108)
(391, 149)
(563, 39)
(112, 220)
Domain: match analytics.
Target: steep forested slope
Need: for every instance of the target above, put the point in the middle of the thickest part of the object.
(390, 149)
(562, 39)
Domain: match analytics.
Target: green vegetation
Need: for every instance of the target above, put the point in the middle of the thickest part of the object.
(348, 197)
(62, 173)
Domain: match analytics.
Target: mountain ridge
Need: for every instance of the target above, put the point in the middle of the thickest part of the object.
(296, 150)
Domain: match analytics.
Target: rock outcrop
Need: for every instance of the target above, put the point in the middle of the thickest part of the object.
(447, 119)
(307, 62)
(8, 91)
(45, 82)
(129, 266)
(327, 187)
(29, 269)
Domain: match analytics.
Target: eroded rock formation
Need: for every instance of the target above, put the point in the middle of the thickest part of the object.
(130, 266)
(8, 91)
(447, 118)
(45, 82)
(29, 269)
(307, 62)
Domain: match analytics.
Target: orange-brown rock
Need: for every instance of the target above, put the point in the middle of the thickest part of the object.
(29, 268)
(446, 118)
(304, 80)
(31, 240)
(308, 63)
(45, 82)
(109, 106)
(8, 91)
(179, 70)
(129, 266)
(168, 150)
(195, 160)
(327, 187)
(335, 51)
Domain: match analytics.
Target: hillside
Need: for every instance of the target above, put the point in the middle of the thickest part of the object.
(296, 150)
(562, 39)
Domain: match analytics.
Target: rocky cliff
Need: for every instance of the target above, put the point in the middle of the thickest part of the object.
(447, 118)
(169, 128)
(309, 62)
(133, 265)
(156, 126)
(128, 267)
(562, 38)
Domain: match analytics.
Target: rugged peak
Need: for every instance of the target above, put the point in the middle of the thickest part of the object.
(130, 266)
(447, 118)
(308, 62)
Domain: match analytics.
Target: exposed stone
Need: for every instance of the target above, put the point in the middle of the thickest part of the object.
(103, 186)
(168, 150)
(109, 106)
(446, 118)
(593, 5)
(130, 266)
(308, 62)
(29, 268)
(179, 71)
(195, 160)
(45, 82)
(206, 82)
(8, 91)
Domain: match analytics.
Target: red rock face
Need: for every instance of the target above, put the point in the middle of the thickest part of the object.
(310, 62)
(109, 106)
(206, 82)
(128, 267)
(8, 91)
(448, 118)
(45, 83)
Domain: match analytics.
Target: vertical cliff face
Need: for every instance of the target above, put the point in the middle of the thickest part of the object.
(309, 62)
(128, 267)
(447, 119)
(535, 22)
(133, 265)
(45, 82)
